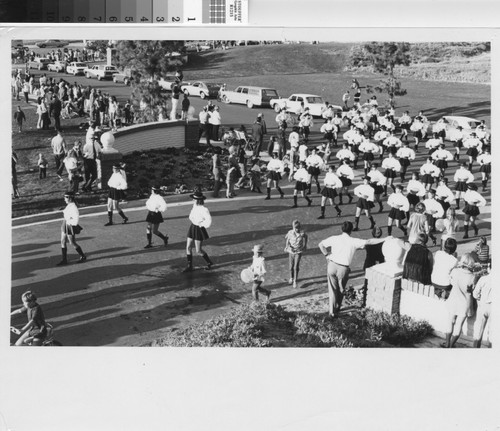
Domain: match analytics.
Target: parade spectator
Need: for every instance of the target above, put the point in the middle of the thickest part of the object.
(26, 90)
(185, 104)
(19, 117)
(201, 220)
(216, 171)
(55, 109)
(155, 205)
(258, 132)
(215, 121)
(117, 184)
(444, 262)
(459, 303)
(275, 169)
(450, 225)
(258, 269)
(295, 246)
(483, 295)
(204, 118)
(59, 149)
(418, 262)
(36, 328)
(42, 166)
(339, 251)
(254, 175)
(15, 190)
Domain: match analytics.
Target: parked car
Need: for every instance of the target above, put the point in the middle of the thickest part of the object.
(293, 104)
(100, 71)
(201, 89)
(51, 43)
(57, 66)
(125, 76)
(39, 63)
(250, 96)
(167, 82)
(75, 68)
(453, 121)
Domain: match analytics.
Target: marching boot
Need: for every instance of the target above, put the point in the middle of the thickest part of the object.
(470, 167)
(322, 216)
(476, 229)
(123, 216)
(64, 253)
(163, 237)
(79, 250)
(350, 197)
(294, 201)
(110, 218)
(393, 188)
(434, 239)
(189, 266)
(339, 211)
(309, 201)
(149, 236)
(389, 230)
(466, 230)
(318, 186)
(402, 176)
(340, 199)
(372, 221)
(366, 171)
(268, 193)
(385, 190)
(407, 217)
(476, 344)
(280, 192)
(405, 232)
(458, 203)
(484, 182)
(380, 207)
(447, 343)
(309, 189)
(209, 262)
(356, 223)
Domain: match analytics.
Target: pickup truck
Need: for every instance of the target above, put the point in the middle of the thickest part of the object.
(39, 63)
(100, 71)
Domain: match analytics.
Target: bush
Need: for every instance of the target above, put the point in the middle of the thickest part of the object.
(270, 325)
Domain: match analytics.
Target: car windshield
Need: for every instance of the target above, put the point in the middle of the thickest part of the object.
(80, 65)
(314, 100)
(215, 85)
(473, 124)
(270, 93)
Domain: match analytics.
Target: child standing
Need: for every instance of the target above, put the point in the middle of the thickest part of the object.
(258, 268)
(295, 245)
(42, 166)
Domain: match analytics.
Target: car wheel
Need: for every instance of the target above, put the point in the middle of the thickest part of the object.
(99, 77)
(203, 95)
(249, 104)
(87, 76)
(276, 108)
(225, 99)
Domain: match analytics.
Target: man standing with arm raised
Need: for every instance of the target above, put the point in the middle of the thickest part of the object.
(342, 249)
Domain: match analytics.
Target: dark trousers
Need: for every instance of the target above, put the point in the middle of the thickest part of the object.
(59, 163)
(42, 172)
(57, 121)
(204, 129)
(90, 167)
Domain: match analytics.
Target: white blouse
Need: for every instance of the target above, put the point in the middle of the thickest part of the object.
(200, 216)
(156, 203)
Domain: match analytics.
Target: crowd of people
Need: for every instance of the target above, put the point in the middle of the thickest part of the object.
(363, 145)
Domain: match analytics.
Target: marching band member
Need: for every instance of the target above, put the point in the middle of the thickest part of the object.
(473, 145)
(275, 169)
(473, 201)
(433, 143)
(434, 210)
(405, 123)
(331, 184)
(346, 175)
(405, 155)
(444, 195)
(377, 181)
(369, 149)
(400, 207)
(428, 173)
(314, 163)
(345, 153)
(415, 190)
(485, 162)
(419, 129)
(392, 143)
(441, 158)
(392, 167)
(302, 182)
(365, 194)
(155, 206)
(462, 177)
(439, 128)
(380, 137)
(457, 137)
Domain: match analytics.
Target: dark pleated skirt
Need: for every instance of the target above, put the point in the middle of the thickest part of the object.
(197, 233)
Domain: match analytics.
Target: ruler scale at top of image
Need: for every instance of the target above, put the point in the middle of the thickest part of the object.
(179, 12)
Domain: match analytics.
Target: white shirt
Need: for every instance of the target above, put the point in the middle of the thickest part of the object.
(482, 290)
(258, 267)
(381, 135)
(314, 160)
(442, 154)
(200, 216)
(429, 168)
(404, 119)
(343, 247)
(434, 208)
(445, 193)
(368, 147)
(345, 171)
(463, 175)
(302, 175)
(443, 264)
(349, 135)
(303, 152)
(484, 159)
(474, 198)
(456, 135)
(433, 143)
(416, 187)
(215, 118)
(293, 138)
(377, 177)
(345, 153)
(473, 142)
(365, 191)
(276, 165)
(332, 181)
(406, 153)
(117, 181)
(328, 127)
(391, 163)
(71, 214)
(392, 141)
(156, 203)
(399, 201)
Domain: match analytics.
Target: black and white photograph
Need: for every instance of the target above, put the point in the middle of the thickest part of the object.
(317, 204)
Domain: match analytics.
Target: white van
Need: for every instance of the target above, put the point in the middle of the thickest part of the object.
(250, 96)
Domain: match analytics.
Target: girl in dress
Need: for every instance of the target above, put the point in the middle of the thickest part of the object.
(155, 206)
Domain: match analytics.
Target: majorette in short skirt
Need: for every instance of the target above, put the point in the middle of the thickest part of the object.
(154, 217)
(441, 164)
(378, 188)
(392, 149)
(418, 134)
(116, 194)
(390, 173)
(473, 152)
(461, 186)
(69, 229)
(486, 168)
(355, 148)
(314, 171)
(197, 233)
(459, 143)
(396, 214)
(413, 199)
(329, 192)
(346, 182)
(301, 186)
(368, 156)
(328, 136)
(273, 175)
(471, 210)
(427, 179)
(403, 161)
(365, 204)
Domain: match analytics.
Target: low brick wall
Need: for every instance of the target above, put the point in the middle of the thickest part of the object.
(384, 289)
(161, 134)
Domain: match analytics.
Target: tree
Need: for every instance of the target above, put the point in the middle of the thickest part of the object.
(384, 57)
(149, 61)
